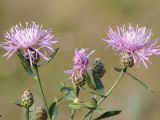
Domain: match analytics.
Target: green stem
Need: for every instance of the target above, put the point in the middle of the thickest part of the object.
(72, 114)
(73, 110)
(27, 113)
(113, 86)
(90, 116)
(109, 91)
(41, 90)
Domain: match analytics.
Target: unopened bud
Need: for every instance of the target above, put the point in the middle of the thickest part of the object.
(98, 67)
(127, 60)
(76, 100)
(27, 99)
(41, 113)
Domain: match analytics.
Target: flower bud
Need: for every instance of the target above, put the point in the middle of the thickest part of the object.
(127, 60)
(98, 67)
(76, 100)
(78, 79)
(27, 99)
(41, 113)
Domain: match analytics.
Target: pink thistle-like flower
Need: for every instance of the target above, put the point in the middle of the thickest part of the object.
(81, 58)
(35, 41)
(80, 63)
(134, 41)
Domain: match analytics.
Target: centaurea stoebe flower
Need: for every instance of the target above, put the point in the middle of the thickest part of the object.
(133, 41)
(34, 40)
(81, 60)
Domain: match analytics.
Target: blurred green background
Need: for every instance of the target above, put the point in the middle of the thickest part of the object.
(81, 24)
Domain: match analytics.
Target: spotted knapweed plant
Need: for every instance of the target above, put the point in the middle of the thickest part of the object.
(35, 47)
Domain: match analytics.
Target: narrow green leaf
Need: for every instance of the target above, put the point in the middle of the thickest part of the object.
(54, 53)
(141, 82)
(108, 114)
(50, 57)
(89, 82)
(70, 97)
(59, 100)
(66, 90)
(77, 106)
(22, 58)
(118, 69)
(90, 106)
(53, 109)
(27, 68)
(95, 93)
(94, 101)
(24, 62)
(100, 110)
(98, 83)
(19, 105)
(55, 112)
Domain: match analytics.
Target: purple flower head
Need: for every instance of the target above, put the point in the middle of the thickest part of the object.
(81, 60)
(134, 41)
(34, 40)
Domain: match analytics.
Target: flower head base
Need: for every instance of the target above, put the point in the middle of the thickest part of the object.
(81, 60)
(27, 99)
(127, 60)
(134, 41)
(78, 78)
(35, 42)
